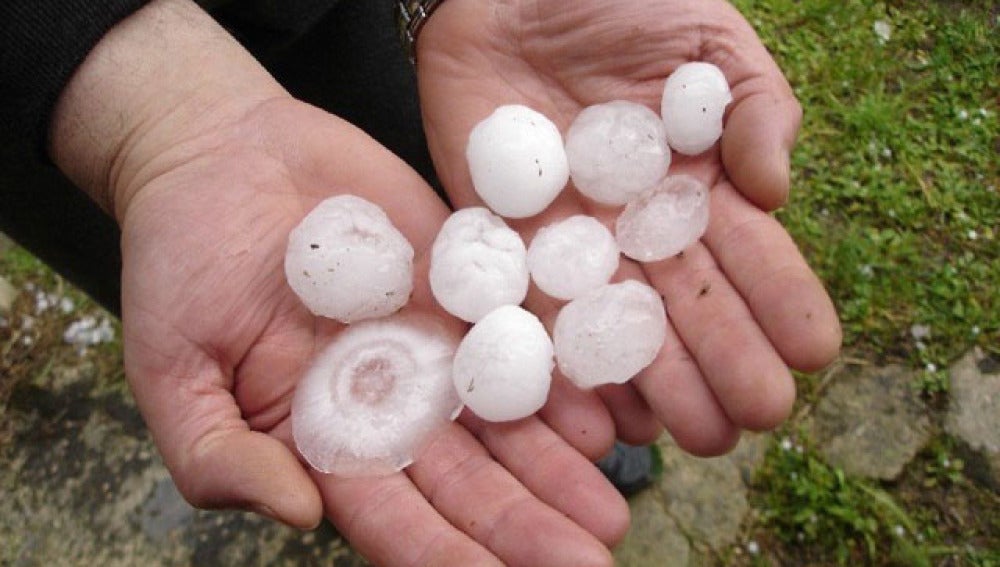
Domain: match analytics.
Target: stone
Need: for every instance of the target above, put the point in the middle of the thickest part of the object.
(973, 415)
(749, 454)
(655, 539)
(705, 496)
(871, 422)
(8, 293)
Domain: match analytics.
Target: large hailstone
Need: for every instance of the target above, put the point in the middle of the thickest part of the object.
(376, 395)
(616, 150)
(610, 334)
(694, 100)
(572, 256)
(665, 220)
(517, 161)
(477, 264)
(503, 366)
(346, 261)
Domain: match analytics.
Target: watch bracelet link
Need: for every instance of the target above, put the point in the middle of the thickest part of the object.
(411, 15)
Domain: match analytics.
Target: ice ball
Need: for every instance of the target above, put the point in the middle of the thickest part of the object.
(572, 256)
(517, 161)
(503, 366)
(347, 261)
(694, 100)
(376, 395)
(609, 334)
(616, 150)
(477, 264)
(665, 220)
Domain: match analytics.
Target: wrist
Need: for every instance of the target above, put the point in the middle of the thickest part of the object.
(150, 95)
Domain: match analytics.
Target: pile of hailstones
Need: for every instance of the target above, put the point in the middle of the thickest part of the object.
(389, 381)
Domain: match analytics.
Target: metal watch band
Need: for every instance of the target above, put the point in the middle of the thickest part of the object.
(411, 15)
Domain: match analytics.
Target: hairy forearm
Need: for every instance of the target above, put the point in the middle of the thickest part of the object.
(159, 82)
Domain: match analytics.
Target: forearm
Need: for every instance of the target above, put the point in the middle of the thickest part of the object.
(158, 83)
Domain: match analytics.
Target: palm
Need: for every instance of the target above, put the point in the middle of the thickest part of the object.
(215, 342)
(742, 302)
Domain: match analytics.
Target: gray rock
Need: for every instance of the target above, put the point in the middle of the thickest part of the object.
(8, 293)
(974, 415)
(871, 422)
(654, 540)
(749, 454)
(706, 497)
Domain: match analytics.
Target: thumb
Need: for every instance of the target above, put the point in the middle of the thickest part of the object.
(757, 143)
(214, 457)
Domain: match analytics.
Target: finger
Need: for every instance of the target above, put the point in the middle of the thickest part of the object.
(787, 299)
(389, 522)
(477, 494)
(557, 474)
(635, 422)
(213, 457)
(580, 417)
(745, 373)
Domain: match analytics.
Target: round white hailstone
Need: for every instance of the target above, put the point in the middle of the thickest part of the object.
(376, 395)
(346, 261)
(477, 264)
(503, 366)
(665, 220)
(517, 161)
(694, 100)
(616, 150)
(572, 256)
(610, 334)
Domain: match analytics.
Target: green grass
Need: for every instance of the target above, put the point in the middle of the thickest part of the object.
(896, 205)
(896, 197)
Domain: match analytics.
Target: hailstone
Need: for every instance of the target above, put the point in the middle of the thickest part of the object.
(477, 264)
(665, 220)
(616, 150)
(346, 261)
(572, 256)
(503, 366)
(517, 161)
(694, 100)
(609, 334)
(376, 395)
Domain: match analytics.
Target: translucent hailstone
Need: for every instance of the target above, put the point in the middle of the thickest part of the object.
(503, 367)
(477, 264)
(665, 220)
(517, 161)
(694, 99)
(608, 335)
(572, 256)
(376, 395)
(346, 261)
(616, 150)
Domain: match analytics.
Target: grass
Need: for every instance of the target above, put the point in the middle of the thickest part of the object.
(896, 205)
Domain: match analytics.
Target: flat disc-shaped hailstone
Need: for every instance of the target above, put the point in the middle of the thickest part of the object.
(616, 150)
(665, 220)
(694, 100)
(572, 256)
(376, 396)
(610, 334)
(477, 264)
(347, 261)
(503, 367)
(517, 161)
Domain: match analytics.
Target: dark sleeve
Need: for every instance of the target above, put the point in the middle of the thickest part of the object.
(41, 43)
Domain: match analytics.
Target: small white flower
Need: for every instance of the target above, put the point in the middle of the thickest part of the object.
(786, 444)
(920, 331)
(753, 548)
(921, 345)
(983, 112)
(887, 153)
(899, 530)
(66, 305)
(27, 340)
(963, 114)
(866, 270)
(883, 30)
(972, 234)
(931, 367)
(975, 330)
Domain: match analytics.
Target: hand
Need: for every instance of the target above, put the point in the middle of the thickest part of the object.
(742, 303)
(206, 189)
